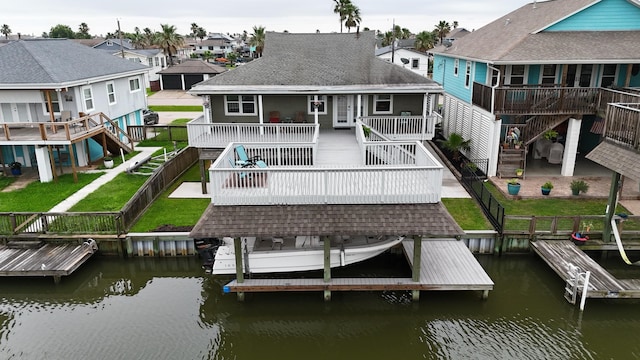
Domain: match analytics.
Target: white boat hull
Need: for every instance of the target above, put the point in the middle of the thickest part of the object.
(296, 259)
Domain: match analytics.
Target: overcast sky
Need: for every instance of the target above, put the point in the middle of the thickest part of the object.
(34, 17)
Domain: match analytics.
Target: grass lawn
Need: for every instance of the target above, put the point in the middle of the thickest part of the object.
(113, 195)
(177, 212)
(181, 121)
(117, 159)
(467, 213)
(6, 181)
(190, 108)
(38, 196)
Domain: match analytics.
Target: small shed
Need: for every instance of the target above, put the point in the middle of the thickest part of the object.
(184, 75)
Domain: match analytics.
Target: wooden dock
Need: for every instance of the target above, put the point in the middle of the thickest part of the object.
(445, 265)
(46, 260)
(560, 255)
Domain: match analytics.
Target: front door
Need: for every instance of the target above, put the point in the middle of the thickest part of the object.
(343, 111)
(580, 75)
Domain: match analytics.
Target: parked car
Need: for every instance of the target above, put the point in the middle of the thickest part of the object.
(150, 117)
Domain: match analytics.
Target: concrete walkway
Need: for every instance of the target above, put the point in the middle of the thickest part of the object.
(109, 175)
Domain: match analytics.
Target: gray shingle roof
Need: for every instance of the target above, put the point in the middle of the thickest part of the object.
(193, 66)
(319, 60)
(512, 38)
(58, 62)
(326, 220)
(617, 158)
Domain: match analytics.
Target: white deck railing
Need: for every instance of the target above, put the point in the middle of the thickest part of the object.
(412, 175)
(402, 127)
(219, 135)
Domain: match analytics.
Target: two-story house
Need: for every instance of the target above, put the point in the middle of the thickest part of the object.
(408, 58)
(65, 104)
(549, 65)
(339, 133)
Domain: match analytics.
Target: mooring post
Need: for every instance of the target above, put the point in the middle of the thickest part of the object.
(417, 258)
(327, 266)
(237, 245)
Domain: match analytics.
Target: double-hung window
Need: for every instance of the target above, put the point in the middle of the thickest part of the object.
(238, 105)
(55, 102)
(467, 76)
(87, 97)
(134, 84)
(456, 66)
(383, 104)
(111, 92)
(321, 105)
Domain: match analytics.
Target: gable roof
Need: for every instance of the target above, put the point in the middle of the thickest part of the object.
(340, 63)
(50, 63)
(193, 66)
(388, 49)
(515, 38)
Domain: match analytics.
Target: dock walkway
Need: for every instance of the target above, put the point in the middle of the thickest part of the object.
(445, 265)
(47, 260)
(560, 255)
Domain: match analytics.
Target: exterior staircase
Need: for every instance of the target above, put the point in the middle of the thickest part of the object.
(509, 160)
(112, 137)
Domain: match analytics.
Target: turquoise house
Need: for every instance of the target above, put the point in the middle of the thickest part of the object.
(549, 65)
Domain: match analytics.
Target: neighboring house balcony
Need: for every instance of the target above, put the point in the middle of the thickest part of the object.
(333, 168)
(64, 132)
(547, 99)
(623, 125)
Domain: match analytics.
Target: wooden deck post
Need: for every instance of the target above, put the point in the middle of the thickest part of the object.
(237, 246)
(72, 158)
(611, 206)
(417, 258)
(327, 266)
(53, 163)
(203, 174)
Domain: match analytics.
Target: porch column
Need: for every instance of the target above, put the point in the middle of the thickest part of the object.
(425, 112)
(44, 166)
(182, 80)
(260, 110)
(359, 108)
(206, 106)
(494, 148)
(571, 147)
(81, 154)
(315, 112)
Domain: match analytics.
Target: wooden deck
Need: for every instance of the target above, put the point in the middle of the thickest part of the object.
(560, 254)
(446, 265)
(47, 260)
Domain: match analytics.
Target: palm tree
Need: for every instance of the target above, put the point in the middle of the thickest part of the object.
(442, 29)
(387, 38)
(456, 143)
(149, 37)
(424, 41)
(340, 9)
(257, 39)
(201, 33)
(83, 31)
(406, 34)
(455, 24)
(137, 39)
(169, 40)
(5, 30)
(194, 30)
(353, 16)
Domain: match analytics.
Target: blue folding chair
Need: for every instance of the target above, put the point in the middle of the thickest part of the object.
(244, 159)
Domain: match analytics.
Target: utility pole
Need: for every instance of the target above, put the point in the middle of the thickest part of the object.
(120, 36)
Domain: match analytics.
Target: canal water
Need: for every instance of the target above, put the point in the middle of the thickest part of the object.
(168, 309)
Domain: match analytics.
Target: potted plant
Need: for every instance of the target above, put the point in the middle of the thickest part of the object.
(16, 168)
(366, 130)
(581, 237)
(108, 162)
(551, 135)
(578, 186)
(513, 186)
(546, 188)
(519, 172)
(517, 144)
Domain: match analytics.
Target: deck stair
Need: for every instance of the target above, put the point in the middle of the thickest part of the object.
(510, 160)
(538, 125)
(115, 138)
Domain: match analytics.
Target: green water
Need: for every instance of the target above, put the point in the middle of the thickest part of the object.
(167, 309)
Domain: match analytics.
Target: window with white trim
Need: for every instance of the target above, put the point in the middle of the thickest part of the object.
(87, 97)
(415, 63)
(548, 74)
(609, 72)
(516, 75)
(321, 104)
(456, 66)
(150, 61)
(238, 105)
(55, 102)
(383, 104)
(111, 92)
(134, 84)
(467, 76)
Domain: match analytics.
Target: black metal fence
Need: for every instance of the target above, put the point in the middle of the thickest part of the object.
(491, 207)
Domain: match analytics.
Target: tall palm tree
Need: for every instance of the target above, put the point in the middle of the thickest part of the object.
(424, 41)
(340, 9)
(387, 38)
(257, 39)
(137, 38)
(5, 30)
(442, 29)
(202, 33)
(406, 33)
(83, 31)
(149, 37)
(455, 24)
(194, 30)
(353, 16)
(169, 40)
